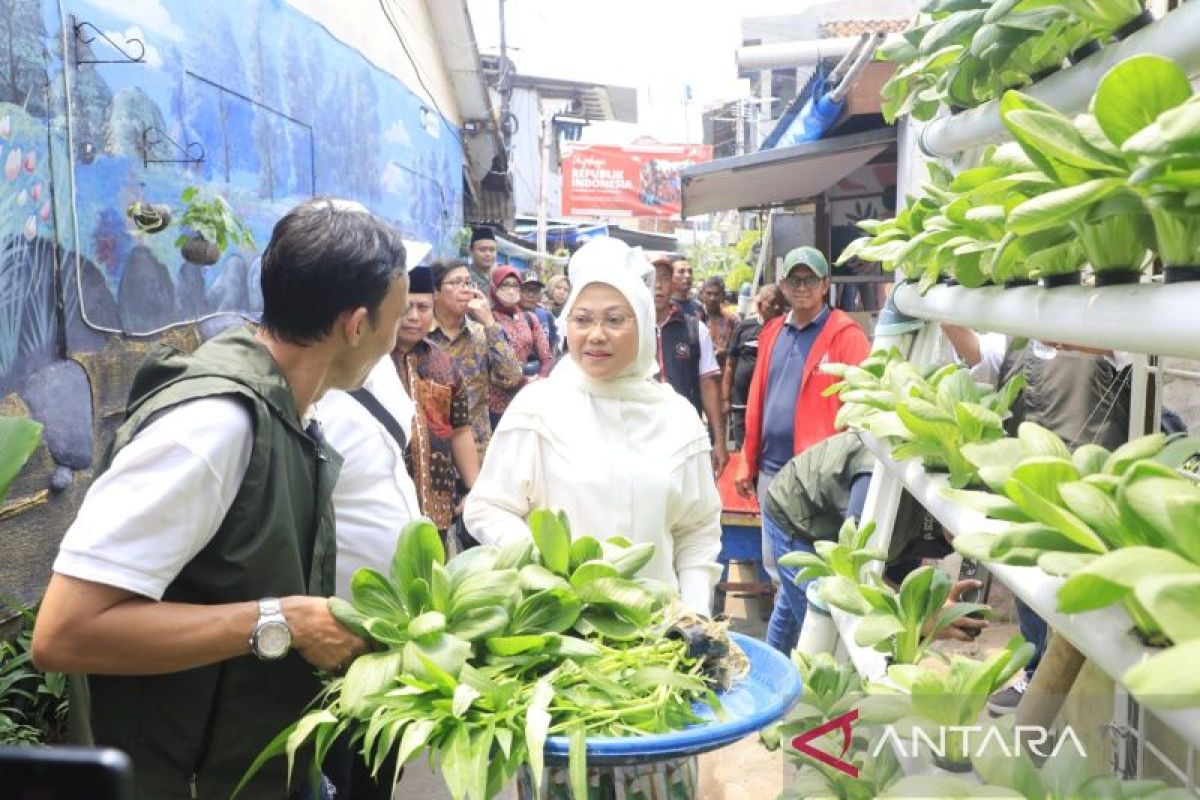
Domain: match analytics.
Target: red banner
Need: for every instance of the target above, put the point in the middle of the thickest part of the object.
(635, 181)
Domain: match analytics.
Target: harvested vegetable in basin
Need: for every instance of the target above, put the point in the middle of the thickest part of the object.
(479, 659)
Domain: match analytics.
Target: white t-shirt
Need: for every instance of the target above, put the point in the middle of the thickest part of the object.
(374, 497)
(708, 359)
(618, 484)
(162, 499)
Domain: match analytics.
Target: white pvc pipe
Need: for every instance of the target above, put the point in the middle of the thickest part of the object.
(1154, 318)
(1070, 90)
(804, 53)
(1103, 636)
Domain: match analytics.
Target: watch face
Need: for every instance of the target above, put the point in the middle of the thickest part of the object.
(273, 640)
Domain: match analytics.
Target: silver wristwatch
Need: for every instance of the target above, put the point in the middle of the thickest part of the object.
(272, 638)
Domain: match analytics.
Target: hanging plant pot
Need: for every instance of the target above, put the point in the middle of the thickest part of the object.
(199, 250)
(1181, 273)
(1118, 277)
(1134, 25)
(1063, 279)
(149, 217)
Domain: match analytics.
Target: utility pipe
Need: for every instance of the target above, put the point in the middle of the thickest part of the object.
(1070, 90)
(843, 65)
(860, 62)
(804, 53)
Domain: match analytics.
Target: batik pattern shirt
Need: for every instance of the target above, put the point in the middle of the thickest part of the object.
(484, 359)
(435, 384)
(529, 342)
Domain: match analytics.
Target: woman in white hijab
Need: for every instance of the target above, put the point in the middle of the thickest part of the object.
(620, 453)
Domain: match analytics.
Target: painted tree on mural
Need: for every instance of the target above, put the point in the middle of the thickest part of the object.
(90, 102)
(23, 55)
(225, 64)
(268, 130)
(335, 156)
(301, 69)
(364, 111)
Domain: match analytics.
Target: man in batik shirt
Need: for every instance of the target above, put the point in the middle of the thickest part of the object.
(442, 450)
(466, 329)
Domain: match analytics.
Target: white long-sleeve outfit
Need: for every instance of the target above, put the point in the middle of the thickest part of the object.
(624, 456)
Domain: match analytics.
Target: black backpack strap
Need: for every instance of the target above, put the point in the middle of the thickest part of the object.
(371, 403)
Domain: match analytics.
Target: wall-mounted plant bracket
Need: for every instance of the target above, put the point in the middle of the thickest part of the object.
(152, 137)
(86, 33)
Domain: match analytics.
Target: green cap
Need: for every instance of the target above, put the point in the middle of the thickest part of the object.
(808, 257)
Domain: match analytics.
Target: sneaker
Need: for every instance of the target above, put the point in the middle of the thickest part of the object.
(1005, 701)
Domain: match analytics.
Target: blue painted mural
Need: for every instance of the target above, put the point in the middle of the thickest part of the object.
(251, 100)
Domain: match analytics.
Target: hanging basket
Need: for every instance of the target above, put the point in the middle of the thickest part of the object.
(149, 217)
(199, 250)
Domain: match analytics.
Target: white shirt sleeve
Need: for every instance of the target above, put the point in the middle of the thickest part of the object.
(506, 490)
(374, 497)
(708, 359)
(992, 347)
(697, 535)
(162, 499)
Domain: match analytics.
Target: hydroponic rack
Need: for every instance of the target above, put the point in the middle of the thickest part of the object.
(1147, 319)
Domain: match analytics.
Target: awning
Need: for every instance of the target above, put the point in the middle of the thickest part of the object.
(783, 175)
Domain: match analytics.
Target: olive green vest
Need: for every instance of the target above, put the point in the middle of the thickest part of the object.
(808, 497)
(194, 733)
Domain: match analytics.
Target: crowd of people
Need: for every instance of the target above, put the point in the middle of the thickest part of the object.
(252, 477)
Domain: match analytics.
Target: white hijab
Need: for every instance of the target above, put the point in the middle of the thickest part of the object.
(654, 413)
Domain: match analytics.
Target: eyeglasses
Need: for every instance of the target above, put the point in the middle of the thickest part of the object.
(807, 281)
(613, 323)
(457, 283)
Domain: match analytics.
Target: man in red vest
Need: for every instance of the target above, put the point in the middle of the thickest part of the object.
(786, 412)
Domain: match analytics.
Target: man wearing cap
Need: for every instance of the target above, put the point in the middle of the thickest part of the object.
(483, 257)
(786, 412)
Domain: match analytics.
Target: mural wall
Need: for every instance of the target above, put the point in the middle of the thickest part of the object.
(250, 100)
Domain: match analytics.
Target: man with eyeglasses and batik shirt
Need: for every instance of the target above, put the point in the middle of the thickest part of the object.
(786, 412)
(465, 327)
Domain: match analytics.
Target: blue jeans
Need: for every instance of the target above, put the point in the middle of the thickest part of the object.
(791, 604)
(768, 553)
(1033, 628)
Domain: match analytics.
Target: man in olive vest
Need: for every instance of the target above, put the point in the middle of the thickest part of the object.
(191, 589)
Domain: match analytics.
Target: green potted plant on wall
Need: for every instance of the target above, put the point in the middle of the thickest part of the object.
(214, 227)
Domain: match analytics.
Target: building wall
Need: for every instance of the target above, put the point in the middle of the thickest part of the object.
(270, 105)
(527, 158)
(369, 31)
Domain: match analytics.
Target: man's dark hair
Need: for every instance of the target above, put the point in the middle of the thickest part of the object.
(326, 257)
(441, 269)
(715, 281)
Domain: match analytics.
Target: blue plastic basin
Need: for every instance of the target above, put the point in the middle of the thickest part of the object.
(761, 697)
